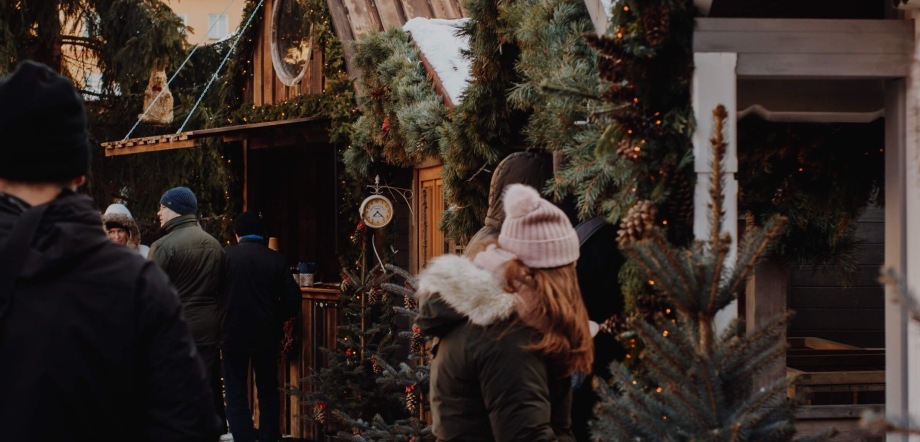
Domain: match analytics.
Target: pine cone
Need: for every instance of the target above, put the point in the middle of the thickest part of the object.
(611, 68)
(656, 21)
(411, 399)
(373, 296)
(319, 413)
(417, 340)
(615, 324)
(380, 93)
(410, 303)
(629, 150)
(638, 223)
(378, 370)
(679, 205)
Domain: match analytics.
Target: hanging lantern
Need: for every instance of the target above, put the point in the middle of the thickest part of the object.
(158, 100)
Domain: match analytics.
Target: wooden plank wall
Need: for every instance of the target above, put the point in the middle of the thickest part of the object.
(850, 315)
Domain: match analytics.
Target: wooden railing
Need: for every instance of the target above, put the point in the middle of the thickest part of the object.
(319, 318)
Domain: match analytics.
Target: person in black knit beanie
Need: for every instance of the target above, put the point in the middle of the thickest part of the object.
(88, 328)
(261, 295)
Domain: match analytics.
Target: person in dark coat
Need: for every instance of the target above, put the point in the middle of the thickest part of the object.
(510, 329)
(529, 168)
(93, 346)
(194, 261)
(261, 295)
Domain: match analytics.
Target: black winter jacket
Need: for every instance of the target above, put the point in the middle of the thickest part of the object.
(194, 261)
(485, 386)
(261, 295)
(93, 346)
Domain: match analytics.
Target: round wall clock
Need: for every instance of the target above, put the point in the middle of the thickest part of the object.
(376, 211)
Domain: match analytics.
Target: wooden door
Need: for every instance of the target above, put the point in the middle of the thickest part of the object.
(430, 240)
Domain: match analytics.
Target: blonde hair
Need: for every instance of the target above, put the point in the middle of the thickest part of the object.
(555, 308)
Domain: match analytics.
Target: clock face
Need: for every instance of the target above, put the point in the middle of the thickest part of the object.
(376, 211)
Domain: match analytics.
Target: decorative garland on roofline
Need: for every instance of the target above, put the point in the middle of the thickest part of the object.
(336, 101)
(403, 120)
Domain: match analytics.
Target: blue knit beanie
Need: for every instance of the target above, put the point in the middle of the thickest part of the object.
(181, 200)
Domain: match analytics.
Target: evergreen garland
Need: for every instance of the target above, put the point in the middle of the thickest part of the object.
(821, 177)
(645, 149)
(403, 119)
(486, 127)
(560, 80)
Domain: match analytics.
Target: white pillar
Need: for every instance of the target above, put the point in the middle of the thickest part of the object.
(715, 83)
(896, 348)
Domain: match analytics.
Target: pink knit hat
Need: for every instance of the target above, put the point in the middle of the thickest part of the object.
(535, 230)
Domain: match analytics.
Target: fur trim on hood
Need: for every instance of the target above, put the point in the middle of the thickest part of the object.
(116, 218)
(466, 288)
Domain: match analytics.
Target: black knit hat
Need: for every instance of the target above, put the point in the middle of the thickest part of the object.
(43, 136)
(181, 200)
(248, 223)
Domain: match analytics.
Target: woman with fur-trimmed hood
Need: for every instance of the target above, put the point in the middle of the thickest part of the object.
(121, 228)
(511, 329)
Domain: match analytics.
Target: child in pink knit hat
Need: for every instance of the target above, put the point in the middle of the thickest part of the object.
(512, 329)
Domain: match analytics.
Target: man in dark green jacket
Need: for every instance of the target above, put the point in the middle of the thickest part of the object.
(194, 261)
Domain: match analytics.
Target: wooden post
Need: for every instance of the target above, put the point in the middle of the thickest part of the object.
(765, 299)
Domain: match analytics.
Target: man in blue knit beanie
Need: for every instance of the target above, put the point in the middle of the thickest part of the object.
(194, 261)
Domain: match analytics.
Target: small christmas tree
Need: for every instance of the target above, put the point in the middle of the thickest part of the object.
(697, 383)
(372, 386)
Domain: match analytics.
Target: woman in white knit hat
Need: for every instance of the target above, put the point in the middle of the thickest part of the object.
(511, 329)
(121, 228)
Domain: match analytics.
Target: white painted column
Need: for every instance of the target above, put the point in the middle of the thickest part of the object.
(896, 321)
(715, 83)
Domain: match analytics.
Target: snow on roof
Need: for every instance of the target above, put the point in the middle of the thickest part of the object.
(439, 43)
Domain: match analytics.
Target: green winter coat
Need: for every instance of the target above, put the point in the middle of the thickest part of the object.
(485, 386)
(194, 261)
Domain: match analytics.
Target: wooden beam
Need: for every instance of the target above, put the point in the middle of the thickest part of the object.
(132, 148)
(810, 48)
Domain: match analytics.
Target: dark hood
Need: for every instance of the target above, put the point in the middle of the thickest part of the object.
(527, 168)
(70, 228)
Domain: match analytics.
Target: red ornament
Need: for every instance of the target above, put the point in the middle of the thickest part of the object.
(416, 329)
(410, 388)
(321, 405)
(349, 352)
